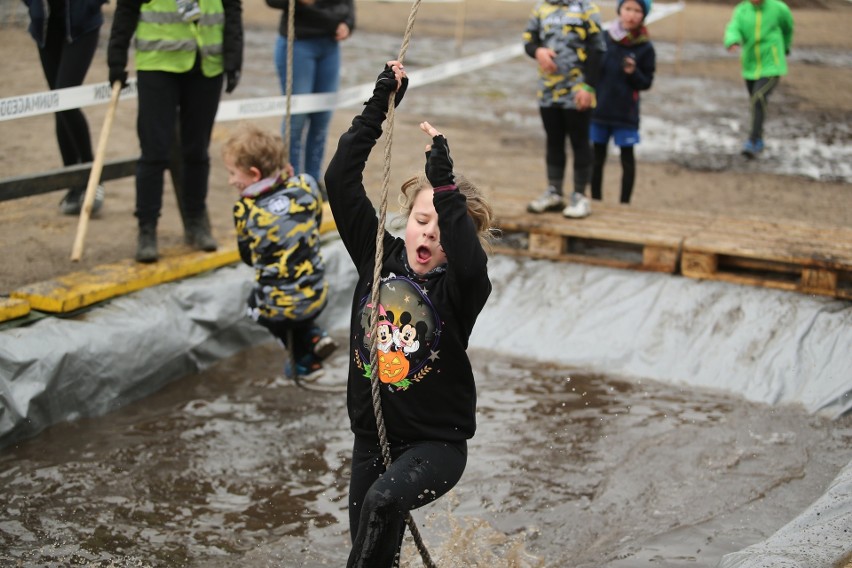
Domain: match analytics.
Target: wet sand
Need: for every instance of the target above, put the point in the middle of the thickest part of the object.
(238, 467)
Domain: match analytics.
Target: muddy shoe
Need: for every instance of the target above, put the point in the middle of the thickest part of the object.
(752, 148)
(197, 234)
(579, 206)
(548, 201)
(72, 203)
(324, 346)
(307, 368)
(146, 244)
(98, 202)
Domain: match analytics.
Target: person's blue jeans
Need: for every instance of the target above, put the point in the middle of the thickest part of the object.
(316, 69)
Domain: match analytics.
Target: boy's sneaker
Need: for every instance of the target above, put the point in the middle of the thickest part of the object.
(579, 206)
(308, 368)
(548, 201)
(752, 148)
(72, 203)
(324, 345)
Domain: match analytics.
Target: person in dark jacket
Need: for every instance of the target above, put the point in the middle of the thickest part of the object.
(185, 51)
(319, 26)
(434, 283)
(628, 68)
(66, 33)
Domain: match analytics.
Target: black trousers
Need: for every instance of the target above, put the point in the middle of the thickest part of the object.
(165, 98)
(379, 501)
(559, 124)
(65, 65)
(758, 93)
(303, 331)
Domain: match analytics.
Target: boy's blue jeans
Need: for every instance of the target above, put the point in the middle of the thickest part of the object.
(316, 69)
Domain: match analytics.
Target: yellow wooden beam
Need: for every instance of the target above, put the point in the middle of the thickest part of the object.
(13, 308)
(80, 289)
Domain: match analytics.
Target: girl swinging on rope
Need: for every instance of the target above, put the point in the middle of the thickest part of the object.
(433, 284)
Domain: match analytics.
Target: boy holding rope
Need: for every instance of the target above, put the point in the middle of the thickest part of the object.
(433, 284)
(277, 221)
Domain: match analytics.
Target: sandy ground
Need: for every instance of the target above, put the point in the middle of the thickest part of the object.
(688, 158)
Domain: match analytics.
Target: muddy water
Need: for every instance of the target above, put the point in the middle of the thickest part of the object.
(235, 467)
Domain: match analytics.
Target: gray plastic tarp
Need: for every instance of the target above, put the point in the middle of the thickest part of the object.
(768, 346)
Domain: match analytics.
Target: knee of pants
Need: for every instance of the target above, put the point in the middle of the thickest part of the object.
(381, 503)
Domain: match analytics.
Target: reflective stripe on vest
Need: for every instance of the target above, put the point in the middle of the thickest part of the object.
(164, 42)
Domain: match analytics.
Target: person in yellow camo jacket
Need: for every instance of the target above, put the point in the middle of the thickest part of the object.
(277, 220)
(762, 32)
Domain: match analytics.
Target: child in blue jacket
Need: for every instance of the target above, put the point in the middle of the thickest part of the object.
(628, 67)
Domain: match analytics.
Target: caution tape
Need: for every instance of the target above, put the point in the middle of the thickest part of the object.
(88, 95)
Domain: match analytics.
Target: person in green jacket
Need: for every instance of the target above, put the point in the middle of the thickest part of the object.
(762, 32)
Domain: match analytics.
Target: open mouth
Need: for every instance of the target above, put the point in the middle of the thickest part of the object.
(423, 254)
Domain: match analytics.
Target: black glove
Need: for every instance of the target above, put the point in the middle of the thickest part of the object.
(232, 78)
(117, 74)
(439, 165)
(385, 85)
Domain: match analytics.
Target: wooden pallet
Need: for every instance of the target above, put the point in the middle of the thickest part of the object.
(788, 256)
(614, 235)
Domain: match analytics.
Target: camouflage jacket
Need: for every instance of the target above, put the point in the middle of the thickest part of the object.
(277, 223)
(571, 28)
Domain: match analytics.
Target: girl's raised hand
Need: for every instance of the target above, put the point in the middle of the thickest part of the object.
(391, 79)
(439, 165)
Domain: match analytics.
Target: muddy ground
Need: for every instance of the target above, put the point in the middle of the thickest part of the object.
(688, 157)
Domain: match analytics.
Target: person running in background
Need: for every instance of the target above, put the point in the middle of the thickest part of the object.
(565, 39)
(67, 32)
(628, 67)
(277, 219)
(762, 32)
(433, 284)
(184, 52)
(320, 26)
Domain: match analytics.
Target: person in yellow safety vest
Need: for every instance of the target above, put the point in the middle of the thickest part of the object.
(185, 50)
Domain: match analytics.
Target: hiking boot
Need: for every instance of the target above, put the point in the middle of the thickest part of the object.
(146, 244)
(308, 368)
(550, 200)
(324, 345)
(579, 206)
(197, 233)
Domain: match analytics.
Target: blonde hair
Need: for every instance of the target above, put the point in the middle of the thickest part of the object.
(253, 147)
(477, 207)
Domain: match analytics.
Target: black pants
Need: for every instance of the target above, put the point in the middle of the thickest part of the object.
(560, 123)
(165, 98)
(758, 92)
(379, 500)
(628, 172)
(303, 331)
(65, 65)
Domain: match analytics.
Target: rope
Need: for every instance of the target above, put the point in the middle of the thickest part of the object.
(288, 89)
(375, 294)
(288, 93)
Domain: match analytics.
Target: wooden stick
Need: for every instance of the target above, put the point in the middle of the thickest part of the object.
(95, 175)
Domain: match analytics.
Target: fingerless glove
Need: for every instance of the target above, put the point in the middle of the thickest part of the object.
(439, 165)
(385, 85)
